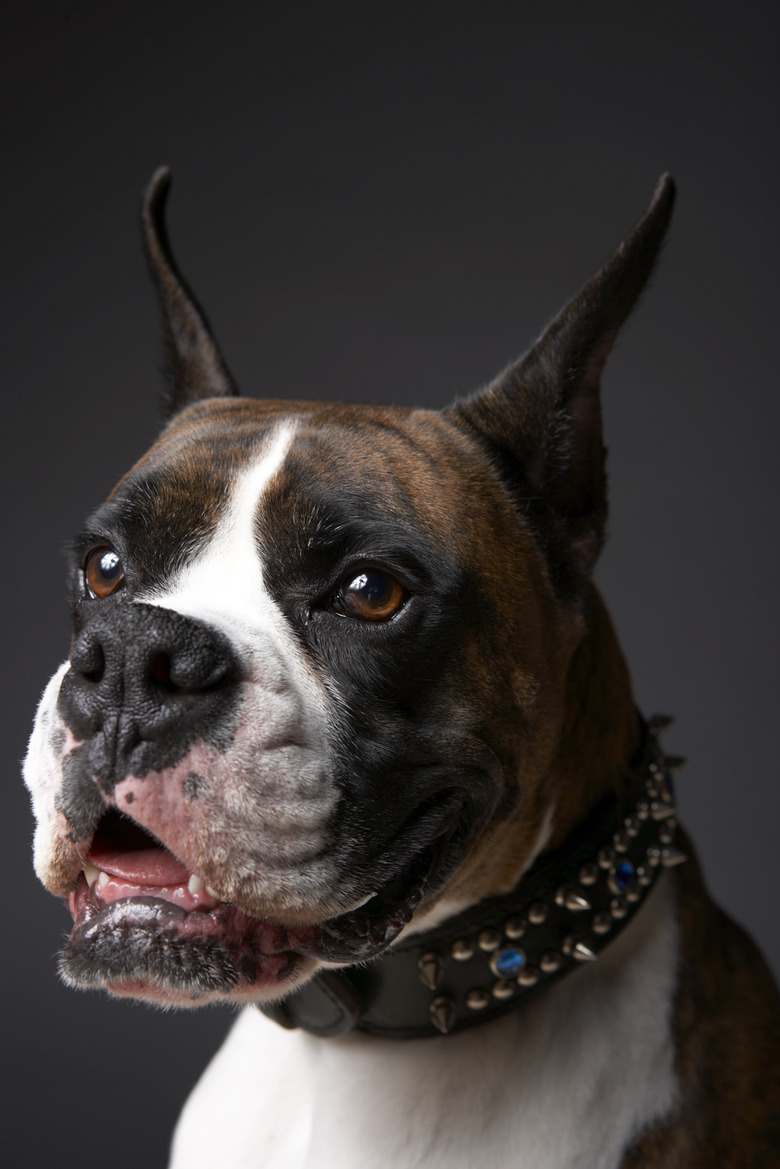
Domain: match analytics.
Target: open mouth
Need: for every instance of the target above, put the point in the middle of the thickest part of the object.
(144, 925)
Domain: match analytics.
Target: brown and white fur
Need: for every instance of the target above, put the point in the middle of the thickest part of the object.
(337, 673)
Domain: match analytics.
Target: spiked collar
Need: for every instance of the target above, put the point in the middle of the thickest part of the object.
(497, 954)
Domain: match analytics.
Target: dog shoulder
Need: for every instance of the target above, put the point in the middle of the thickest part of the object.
(726, 1024)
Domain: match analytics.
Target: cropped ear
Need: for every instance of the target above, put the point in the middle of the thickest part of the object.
(195, 366)
(540, 420)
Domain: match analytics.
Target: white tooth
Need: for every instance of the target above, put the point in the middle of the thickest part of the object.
(91, 873)
(102, 879)
(211, 893)
(195, 885)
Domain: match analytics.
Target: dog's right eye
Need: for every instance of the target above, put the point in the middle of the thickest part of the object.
(103, 572)
(371, 595)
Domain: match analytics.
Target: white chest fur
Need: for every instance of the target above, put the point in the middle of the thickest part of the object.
(566, 1082)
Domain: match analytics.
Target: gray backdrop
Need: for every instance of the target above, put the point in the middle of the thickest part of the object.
(387, 202)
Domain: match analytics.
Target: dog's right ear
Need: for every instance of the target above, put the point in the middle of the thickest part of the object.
(540, 420)
(195, 366)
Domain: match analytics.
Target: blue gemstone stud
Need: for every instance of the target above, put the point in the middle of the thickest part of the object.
(507, 963)
(622, 877)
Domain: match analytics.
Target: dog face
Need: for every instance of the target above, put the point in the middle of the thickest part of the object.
(318, 675)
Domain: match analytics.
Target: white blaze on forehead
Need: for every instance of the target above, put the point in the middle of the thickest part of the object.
(224, 584)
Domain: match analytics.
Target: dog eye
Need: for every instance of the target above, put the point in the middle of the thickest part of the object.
(103, 572)
(371, 595)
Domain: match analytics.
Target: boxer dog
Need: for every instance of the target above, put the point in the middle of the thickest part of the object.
(346, 737)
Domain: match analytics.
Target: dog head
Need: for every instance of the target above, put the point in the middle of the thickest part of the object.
(331, 664)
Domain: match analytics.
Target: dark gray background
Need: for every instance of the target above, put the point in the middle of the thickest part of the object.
(387, 202)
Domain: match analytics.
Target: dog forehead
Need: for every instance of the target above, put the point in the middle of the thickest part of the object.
(410, 468)
(403, 472)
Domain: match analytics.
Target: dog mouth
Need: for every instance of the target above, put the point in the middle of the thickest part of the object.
(145, 926)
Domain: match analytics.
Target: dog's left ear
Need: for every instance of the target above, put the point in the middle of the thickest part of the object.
(196, 368)
(541, 418)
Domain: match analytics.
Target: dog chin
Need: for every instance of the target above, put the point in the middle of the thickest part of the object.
(147, 947)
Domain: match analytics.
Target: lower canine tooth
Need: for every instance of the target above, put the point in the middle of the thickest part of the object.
(91, 872)
(211, 893)
(102, 879)
(195, 885)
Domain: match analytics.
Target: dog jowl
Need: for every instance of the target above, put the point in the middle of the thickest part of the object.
(340, 673)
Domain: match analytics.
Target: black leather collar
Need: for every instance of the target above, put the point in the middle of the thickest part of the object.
(497, 954)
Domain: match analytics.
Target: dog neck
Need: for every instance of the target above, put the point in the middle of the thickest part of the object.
(600, 730)
(586, 733)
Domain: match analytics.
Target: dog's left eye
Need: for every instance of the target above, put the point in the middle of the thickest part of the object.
(371, 595)
(103, 572)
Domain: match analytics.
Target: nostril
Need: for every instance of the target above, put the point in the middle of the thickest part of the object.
(89, 660)
(182, 672)
(96, 673)
(160, 670)
(222, 673)
(198, 672)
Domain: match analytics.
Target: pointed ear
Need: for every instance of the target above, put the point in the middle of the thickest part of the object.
(195, 366)
(541, 418)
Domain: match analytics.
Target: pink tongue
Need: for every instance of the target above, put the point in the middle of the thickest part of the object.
(146, 866)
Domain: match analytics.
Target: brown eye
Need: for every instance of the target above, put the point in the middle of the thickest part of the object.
(371, 596)
(103, 572)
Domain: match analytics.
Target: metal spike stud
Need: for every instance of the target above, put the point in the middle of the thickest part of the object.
(431, 967)
(477, 999)
(672, 856)
(660, 811)
(571, 899)
(583, 953)
(489, 939)
(442, 1014)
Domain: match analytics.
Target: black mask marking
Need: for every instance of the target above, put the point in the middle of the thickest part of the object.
(143, 685)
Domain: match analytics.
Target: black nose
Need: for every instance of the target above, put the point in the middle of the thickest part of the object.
(144, 683)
